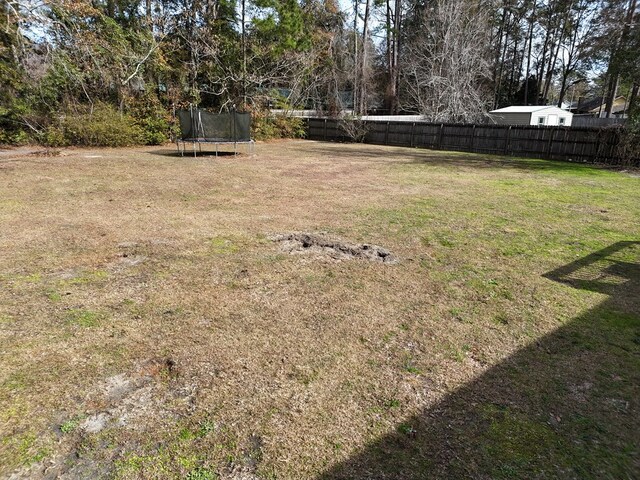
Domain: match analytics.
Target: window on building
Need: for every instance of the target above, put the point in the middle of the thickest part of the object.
(541, 120)
(561, 121)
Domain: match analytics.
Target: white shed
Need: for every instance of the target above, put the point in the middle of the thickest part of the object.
(532, 115)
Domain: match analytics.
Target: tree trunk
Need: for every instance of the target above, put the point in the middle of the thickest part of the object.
(148, 14)
(563, 85)
(393, 36)
(530, 41)
(552, 65)
(364, 60)
(244, 55)
(497, 66)
(512, 77)
(356, 66)
(613, 63)
(612, 92)
(543, 62)
(633, 98)
(111, 8)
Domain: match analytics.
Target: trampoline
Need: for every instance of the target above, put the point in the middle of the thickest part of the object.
(198, 127)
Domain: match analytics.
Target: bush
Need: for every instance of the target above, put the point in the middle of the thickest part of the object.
(267, 126)
(289, 127)
(53, 136)
(154, 130)
(629, 147)
(146, 123)
(104, 127)
(13, 136)
(12, 131)
(263, 128)
(152, 118)
(354, 128)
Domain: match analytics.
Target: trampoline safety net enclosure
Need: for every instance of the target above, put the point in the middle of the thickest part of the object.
(199, 126)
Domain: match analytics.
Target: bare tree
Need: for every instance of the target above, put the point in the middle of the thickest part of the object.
(446, 62)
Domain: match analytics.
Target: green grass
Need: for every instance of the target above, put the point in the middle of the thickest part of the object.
(201, 473)
(86, 277)
(53, 295)
(517, 446)
(27, 448)
(224, 245)
(83, 318)
(69, 426)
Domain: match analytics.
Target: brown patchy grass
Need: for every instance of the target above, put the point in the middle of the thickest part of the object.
(140, 293)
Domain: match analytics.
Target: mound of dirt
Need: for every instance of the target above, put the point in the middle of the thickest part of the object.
(320, 245)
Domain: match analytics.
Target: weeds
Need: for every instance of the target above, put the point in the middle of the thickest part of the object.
(69, 426)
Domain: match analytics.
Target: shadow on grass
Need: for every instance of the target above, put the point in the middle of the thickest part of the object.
(205, 153)
(564, 407)
(459, 159)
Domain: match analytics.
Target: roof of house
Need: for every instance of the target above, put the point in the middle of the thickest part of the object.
(523, 108)
(595, 103)
(589, 104)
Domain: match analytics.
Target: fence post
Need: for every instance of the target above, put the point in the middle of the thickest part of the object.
(325, 129)
(413, 126)
(439, 144)
(506, 141)
(473, 134)
(386, 135)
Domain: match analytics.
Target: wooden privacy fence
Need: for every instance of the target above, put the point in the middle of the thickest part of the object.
(582, 144)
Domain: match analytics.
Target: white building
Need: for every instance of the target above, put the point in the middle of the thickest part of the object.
(532, 115)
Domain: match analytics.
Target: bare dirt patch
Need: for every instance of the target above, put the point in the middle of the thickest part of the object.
(128, 398)
(322, 246)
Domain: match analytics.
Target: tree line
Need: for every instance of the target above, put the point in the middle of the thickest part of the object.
(76, 70)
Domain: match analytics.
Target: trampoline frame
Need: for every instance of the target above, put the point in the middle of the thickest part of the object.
(197, 145)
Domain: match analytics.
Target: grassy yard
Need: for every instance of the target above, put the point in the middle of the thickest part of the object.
(150, 327)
